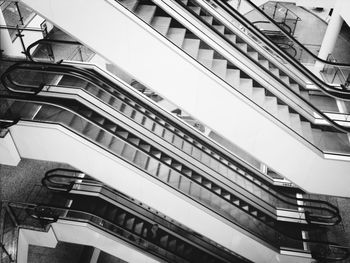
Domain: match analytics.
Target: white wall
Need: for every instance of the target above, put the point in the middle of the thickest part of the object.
(52, 143)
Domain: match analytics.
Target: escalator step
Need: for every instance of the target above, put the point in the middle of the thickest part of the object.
(139, 228)
(104, 138)
(178, 142)
(129, 152)
(101, 209)
(111, 126)
(172, 245)
(120, 219)
(122, 134)
(177, 36)
(187, 147)
(208, 19)
(220, 28)
(158, 129)
(91, 131)
(191, 47)
(129, 223)
(180, 248)
(117, 146)
(111, 213)
(161, 24)
(164, 241)
(163, 172)
(78, 123)
(146, 12)
(195, 9)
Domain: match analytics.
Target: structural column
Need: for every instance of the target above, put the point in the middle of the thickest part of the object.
(332, 33)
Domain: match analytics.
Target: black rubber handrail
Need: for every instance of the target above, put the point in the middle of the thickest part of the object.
(7, 124)
(67, 187)
(280, 232)
(334, 217)
(38, 211)
(48, 182)
(48, 41)
(57, 103)
(89, 75)
(324, 87)
(324, 116)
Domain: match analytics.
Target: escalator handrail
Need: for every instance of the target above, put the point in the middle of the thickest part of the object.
(4, 124)
(316, 110)
(61, 186)
(68, 187)
(48, 41)
(289, 36)
(325, 117)
(109, 77)
(52, 173)
(277, 231)
(324, 87)
(36, 100)
(82, 214)
(333, 210)
(330, 121)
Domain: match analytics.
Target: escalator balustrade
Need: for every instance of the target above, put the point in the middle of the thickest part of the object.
(146, 157)
(135, 216)
(330, 137)
(293, 52)
(249, 184)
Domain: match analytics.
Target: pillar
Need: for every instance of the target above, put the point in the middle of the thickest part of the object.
(332, 33)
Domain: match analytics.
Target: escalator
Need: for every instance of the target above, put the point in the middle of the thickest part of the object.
(325, 138)
(300, 125)
(31, 77)
(126, 218)
(296, 55)
(225, 199)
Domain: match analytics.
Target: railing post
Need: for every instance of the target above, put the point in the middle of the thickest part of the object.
(20, 35)
(285, 16)
(19, 13)
(274, 11)
(295, 25)
(81, 54)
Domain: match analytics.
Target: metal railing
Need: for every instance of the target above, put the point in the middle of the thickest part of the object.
(334, 74)
(286, 18)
